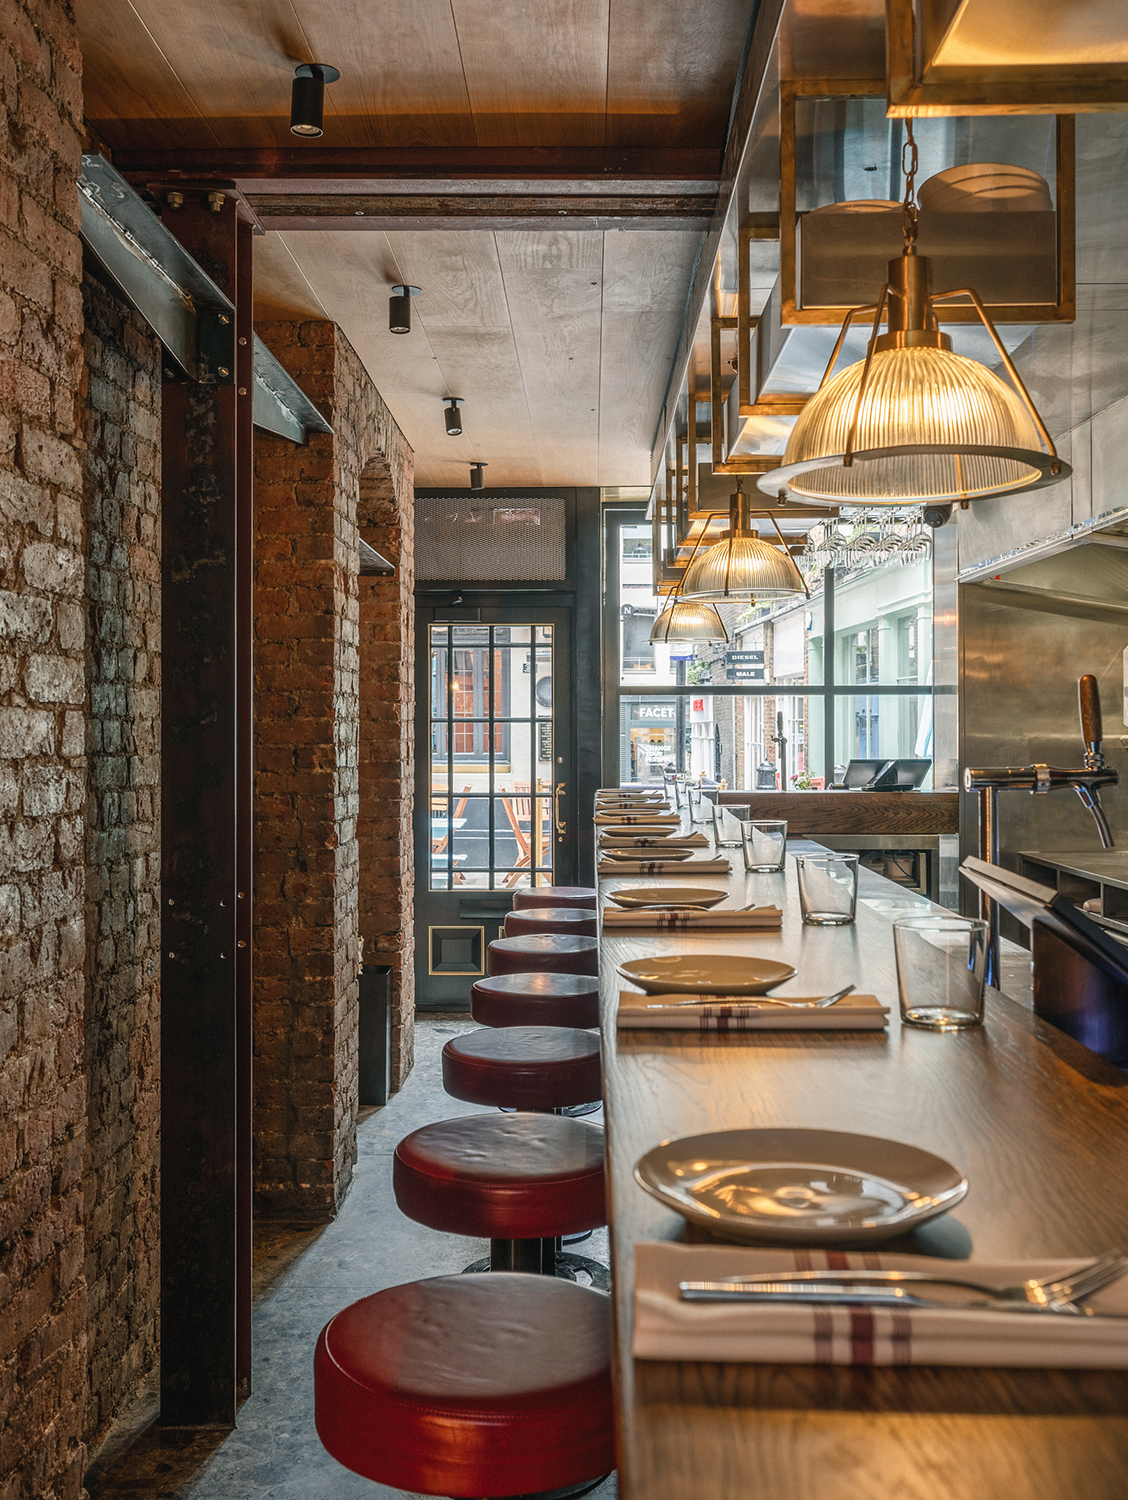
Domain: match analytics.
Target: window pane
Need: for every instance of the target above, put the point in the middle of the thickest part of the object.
(880, 727)
(722, 737)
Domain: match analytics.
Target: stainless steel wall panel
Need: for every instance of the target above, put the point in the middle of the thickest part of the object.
(1110, 458)
(1023, 644)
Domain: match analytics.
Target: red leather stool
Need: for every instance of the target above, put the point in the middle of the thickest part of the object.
(556, 895)
(566, 919)
(470, 1386)
(535, 1000)
(543, 952)
(521, 1181)
(524, 1067)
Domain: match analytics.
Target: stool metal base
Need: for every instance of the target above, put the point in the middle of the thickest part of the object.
(542, 1258)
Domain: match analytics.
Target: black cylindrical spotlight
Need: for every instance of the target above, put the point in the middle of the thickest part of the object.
(453, 416)
(399, 308)
(307, 98)
(477, 478)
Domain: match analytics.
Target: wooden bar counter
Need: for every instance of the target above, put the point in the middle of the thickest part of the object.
(1039, 1126)
(810, 813)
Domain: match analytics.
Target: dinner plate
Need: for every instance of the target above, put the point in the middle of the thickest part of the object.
(647, 853)
(641, 896)
(800, 1187)
(706, 973)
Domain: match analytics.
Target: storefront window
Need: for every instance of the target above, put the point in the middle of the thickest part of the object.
(777, 704)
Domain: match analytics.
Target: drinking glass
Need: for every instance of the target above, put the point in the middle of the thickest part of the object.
(941, 964)
(828, 888)
(728, 826)
(765, 844)
(700, 806)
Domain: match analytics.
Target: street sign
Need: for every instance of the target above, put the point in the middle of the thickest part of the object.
(745, 674)
(744, 658)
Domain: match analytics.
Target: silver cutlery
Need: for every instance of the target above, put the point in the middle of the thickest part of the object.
(755, 1002)
(890, 1288)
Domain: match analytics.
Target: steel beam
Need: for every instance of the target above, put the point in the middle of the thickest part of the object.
(146, 264)
(206, 853)
(280, 404)
(415, 211)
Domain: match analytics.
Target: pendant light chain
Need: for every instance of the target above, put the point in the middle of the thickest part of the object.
(909, 210)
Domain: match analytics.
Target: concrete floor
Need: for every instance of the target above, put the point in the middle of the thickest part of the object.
(302, 1278)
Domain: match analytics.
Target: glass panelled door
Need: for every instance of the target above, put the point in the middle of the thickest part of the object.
(493, 803)
(491, 753)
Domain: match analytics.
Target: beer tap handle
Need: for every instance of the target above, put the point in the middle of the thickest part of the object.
(1089, 703)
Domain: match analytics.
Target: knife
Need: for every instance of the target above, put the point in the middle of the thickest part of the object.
(830, 1293)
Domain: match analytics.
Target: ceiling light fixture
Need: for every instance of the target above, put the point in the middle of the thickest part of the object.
(688, 620)
(741, 565)
(477, 476)
(913, 422)
(452, 416)
(399, 308)
(307, 98)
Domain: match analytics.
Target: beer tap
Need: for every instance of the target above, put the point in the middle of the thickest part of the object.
(1039, 779)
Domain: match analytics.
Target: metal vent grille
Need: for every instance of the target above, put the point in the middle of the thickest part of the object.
(462, 539)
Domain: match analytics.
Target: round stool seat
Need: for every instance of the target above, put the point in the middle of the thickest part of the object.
(469, 1385)
(504, 1177)
(535, 1000)
(524, 1067)
(565, 919)
(554, 952)
(556, 895)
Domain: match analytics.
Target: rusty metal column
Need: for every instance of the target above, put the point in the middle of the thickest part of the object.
(205, 812)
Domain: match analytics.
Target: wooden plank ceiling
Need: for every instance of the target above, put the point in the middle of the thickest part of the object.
(558, 338)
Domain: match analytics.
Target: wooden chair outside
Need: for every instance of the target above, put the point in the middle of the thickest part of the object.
(439, 845)
(523, 810)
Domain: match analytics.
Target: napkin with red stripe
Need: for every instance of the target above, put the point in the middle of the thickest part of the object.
(787, 1333)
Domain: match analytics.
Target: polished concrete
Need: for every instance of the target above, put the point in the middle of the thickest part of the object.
(303, 1276)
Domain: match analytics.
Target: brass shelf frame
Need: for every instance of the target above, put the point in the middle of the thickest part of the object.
(919, 88)
(1064, 310)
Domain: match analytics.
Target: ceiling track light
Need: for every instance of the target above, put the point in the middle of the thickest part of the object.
(307, 98)
(452, 416)
(477, 476)
(741, 565)
(399, 308)
(913, 423)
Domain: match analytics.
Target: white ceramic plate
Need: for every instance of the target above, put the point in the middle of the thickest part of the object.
(800, 1187)
(640, 896)
(706, 974)
(647, 853)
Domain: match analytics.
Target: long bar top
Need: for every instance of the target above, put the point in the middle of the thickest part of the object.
(812, 813)
(1038, 1124)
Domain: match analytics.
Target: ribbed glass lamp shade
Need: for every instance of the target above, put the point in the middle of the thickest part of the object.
(925, 419)
(686, 620)
(740, 567)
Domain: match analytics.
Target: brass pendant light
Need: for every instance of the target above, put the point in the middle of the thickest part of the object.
(688, 620)
(913, 422)
(741, 565)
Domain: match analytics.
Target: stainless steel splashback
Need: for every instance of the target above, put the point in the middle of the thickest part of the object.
(1024, 639)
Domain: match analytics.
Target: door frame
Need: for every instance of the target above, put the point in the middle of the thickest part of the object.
(580, 592)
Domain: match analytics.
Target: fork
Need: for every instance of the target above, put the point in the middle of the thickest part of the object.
(1059, 1294)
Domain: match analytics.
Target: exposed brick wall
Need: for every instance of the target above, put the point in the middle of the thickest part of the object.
(42, 760)
(387, 739)
(121, 473)
(308, 669)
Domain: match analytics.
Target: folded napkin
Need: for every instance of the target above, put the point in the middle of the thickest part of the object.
(681, 1012)
(610, 840)
(609, 867)
(686, 921)
(782, 1333)
(636, 819)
